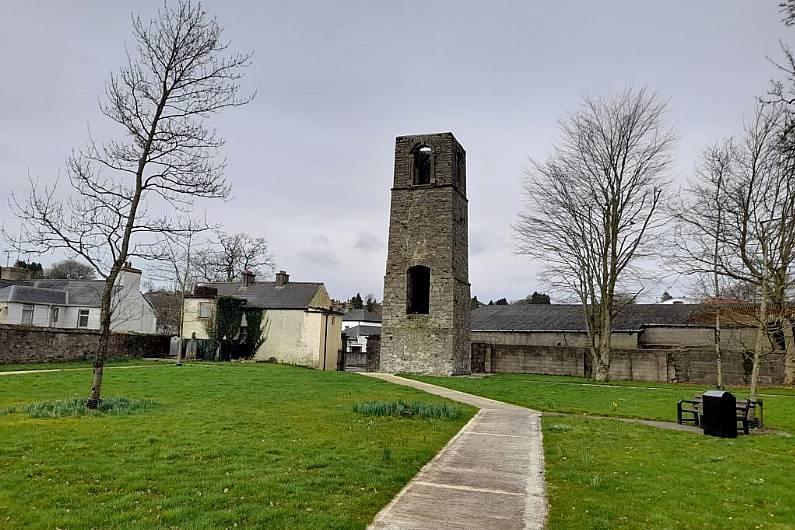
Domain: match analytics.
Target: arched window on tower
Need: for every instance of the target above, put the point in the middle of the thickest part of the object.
(422, 165)
(418, 290)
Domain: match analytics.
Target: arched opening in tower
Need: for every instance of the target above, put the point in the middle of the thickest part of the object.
(418, 290)
(422, 165)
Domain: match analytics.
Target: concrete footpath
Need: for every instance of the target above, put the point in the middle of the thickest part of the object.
(489, 476)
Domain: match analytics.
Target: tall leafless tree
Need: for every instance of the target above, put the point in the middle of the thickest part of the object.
(739, 223)
(698, 244)
(225, 257)
(592, 207)
(179, 75)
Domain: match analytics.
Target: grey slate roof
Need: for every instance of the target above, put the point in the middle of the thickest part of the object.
(569, 317)
(361, 315)
(362, 331)
(81, 292)
(265, 295)
(25, 294)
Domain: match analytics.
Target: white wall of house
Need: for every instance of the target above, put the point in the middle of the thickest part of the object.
(353, 323)
(131, 311)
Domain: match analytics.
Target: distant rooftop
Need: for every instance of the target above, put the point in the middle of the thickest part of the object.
(570, 317)
(361, 315)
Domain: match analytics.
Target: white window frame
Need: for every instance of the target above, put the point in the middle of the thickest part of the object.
(55, 313)
(205, 310)
(80, 314)
(30, 310)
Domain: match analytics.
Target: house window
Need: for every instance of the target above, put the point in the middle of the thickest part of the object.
(422, 165)
(204, 309)
(82, 318)
(418, 290)
(27, 314)
(54, 315)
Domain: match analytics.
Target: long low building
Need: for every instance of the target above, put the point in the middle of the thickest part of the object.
(659, 342)
(636, 326)
(75, 304)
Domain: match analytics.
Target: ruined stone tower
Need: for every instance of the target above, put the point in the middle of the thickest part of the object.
(426, 306)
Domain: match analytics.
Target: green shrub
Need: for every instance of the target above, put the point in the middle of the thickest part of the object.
(60, 408)
(402, 409)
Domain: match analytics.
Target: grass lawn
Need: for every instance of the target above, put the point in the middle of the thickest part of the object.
(604, 474)
(228, 445)
(72, 365)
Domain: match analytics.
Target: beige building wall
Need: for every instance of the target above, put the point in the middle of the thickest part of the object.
(301, 337)
(191, 322)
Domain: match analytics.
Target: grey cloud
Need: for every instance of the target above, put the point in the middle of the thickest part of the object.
(367, 242)
(318, 256)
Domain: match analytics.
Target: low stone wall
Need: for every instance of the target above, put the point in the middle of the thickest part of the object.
(687, 365)
(20, 345)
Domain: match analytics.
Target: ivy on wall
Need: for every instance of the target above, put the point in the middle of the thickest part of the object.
(226, 338)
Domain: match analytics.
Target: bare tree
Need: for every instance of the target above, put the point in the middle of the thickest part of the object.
(178, 76)
(230, 254)
(593, 205)
(698, 235)
(739, 223)
(71, 269)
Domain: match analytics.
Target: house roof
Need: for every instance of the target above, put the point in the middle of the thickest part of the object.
(266, 295)
(362, 331)
(570, 317)
(81, 292)
(25, 294)
(361, 315)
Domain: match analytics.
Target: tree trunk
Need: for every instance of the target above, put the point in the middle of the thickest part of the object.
(104, 339)
(602, 363)
(761, 333)
(789, 352)
(718, 353)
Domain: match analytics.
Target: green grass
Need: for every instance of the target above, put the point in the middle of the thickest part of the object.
(415, 409)
(626, 399)
(70, 365)
(257, 446)
(606, 474)
(62, 408)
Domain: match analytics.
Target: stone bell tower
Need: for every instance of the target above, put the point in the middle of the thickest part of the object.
(426, 319)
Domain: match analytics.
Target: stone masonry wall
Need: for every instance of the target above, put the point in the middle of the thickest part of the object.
(428, 227)
(20, 345)
(682, 365)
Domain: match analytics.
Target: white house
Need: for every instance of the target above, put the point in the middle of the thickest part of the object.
(76, 303)
(357, 325)
(300, 325)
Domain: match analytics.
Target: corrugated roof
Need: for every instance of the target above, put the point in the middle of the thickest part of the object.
(361, 315)
(266, 295)
(570, 317)
(363, 331)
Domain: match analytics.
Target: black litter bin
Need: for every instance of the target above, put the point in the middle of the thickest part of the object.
(719, 414)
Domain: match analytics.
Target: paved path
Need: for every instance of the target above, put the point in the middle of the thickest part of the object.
(489, 476)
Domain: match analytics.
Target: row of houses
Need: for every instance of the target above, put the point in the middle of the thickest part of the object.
(75, 304)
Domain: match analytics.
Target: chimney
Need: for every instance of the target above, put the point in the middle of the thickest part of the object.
(282, 278)
(247, 278)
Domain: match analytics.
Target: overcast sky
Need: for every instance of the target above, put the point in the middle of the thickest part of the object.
(311, 159)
